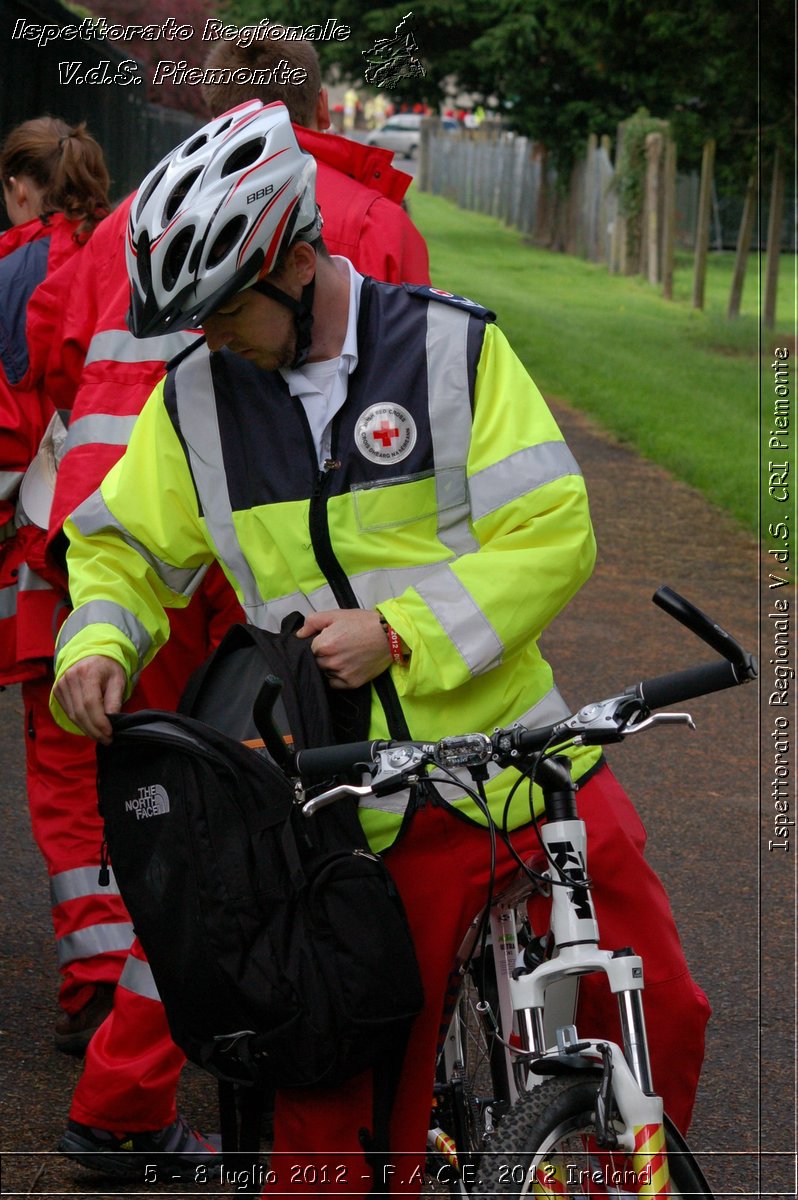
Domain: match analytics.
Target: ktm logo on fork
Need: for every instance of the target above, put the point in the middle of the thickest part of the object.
(571, 864)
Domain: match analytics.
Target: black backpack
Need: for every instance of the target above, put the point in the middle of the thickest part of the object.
(278, 942)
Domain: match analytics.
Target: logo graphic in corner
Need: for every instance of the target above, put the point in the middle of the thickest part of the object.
(393, 58)
(152, 801)
(385, 433)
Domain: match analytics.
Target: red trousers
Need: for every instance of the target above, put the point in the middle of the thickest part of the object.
(441, 867)
(92, 928)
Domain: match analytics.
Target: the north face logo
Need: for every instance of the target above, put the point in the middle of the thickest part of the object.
(151, 801)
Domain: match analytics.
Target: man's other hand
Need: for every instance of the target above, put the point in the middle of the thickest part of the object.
(90, 690)
(349, 644)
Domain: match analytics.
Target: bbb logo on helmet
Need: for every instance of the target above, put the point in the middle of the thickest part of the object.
(260, 194)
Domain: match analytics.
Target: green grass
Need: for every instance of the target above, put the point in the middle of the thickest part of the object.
(680, 385)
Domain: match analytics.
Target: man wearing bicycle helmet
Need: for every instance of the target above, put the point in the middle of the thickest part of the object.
(377, 457)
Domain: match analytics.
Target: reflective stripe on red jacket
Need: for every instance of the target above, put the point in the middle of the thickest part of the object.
(31, 595)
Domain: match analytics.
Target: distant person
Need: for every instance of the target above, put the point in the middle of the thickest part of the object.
(359, 191)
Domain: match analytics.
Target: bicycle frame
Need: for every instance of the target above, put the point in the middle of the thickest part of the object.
(547, 1042)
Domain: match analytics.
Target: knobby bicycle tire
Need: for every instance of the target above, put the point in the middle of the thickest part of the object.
(552, 1129)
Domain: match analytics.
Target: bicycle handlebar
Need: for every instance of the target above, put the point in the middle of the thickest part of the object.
(323, 761)
(594, 724)
(677, 686)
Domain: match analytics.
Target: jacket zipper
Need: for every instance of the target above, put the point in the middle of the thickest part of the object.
(320, 540)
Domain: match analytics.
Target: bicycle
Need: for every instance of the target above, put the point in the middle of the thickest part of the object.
(564, 1115)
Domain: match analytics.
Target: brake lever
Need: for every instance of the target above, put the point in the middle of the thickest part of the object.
(666, 718)
(605, 723)
(309, 807)
(396, 767)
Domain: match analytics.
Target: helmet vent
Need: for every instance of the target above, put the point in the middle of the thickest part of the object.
(175, 256)
(150, 188)
(197, 144)
(243, 157)
(225, 240)
(179, 193)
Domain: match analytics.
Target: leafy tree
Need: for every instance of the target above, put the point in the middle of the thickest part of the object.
(558, 72)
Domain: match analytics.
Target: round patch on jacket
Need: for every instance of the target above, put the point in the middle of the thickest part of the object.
(385, 433)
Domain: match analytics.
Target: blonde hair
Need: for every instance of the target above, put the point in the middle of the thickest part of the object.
(65, 163)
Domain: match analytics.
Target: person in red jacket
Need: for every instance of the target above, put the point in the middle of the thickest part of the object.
(94, 368)
(55, 186)
(359, 191)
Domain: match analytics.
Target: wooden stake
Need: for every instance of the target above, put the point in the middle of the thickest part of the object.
(669, 220)
(743, 247)
(774, 241)
(702, 230)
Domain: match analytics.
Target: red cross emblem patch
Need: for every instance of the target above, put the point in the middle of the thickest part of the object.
(385, 433)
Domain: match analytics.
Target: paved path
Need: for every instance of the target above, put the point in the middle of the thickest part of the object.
(697, 793)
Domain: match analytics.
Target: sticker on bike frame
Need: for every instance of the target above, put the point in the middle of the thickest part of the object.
(650, 1161)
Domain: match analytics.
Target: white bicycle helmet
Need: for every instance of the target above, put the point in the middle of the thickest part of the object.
(213, 216)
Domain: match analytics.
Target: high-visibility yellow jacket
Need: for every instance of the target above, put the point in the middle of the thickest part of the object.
(451, 503)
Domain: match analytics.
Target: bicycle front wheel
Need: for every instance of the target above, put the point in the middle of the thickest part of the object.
(546, 1146)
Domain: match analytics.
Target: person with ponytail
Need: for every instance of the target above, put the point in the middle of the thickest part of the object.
(55, 189)
(48, 169)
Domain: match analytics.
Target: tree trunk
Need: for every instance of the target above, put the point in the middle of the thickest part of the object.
(702, 230)
(743, 247)
(774, 242)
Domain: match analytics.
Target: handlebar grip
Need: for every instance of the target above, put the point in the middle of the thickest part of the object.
(664, 690)
(323, 761)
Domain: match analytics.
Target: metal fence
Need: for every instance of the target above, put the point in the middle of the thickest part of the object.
(507, 176)
(133, 133)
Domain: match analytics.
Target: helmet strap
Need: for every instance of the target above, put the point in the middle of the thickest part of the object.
(303, 315)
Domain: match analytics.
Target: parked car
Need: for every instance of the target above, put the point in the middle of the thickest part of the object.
(402, 133)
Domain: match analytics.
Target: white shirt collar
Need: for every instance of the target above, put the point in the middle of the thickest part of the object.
(323, 393)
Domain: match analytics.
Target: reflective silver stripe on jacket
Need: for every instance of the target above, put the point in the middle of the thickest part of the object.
(462, 620)
(105, 612)
(450, 423)
(29, 581)
(9, 483)
(8, 602)
(196, 408)
(94, 940)
(117, 345)
(137, 977)
(548, 710)
(519, 474)
(99, 429)
(78, 883)
(94, 516)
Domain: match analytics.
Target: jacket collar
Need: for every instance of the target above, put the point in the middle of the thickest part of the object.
(368, 165)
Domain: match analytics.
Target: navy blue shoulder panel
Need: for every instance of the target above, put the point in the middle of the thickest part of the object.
(20, 274)
(170, 404)
(432, 293)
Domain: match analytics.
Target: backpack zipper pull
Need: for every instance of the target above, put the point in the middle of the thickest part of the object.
(104, 876)
(367, 854)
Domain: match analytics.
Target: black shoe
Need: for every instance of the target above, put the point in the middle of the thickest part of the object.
(73, 1032)
(177, 1150)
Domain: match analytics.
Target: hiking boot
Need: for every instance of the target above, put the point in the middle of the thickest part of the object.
(177, 1151)
(74, 1031)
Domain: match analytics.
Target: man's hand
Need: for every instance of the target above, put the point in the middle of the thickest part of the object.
(349, 644)
(88, 691)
